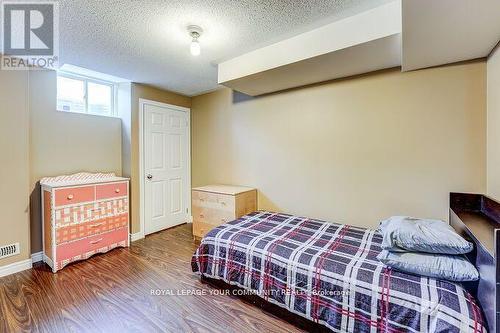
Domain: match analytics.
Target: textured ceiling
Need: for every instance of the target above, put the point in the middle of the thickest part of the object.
(146, 41)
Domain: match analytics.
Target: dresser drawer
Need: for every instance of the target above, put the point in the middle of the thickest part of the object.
(213, 200)
(74, 195)
(83, 247)
(212, 216)
(74, 232)
(200, 229)
(114, 190)
(81, 213)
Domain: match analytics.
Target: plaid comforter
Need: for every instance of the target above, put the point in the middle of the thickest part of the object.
(329, 273)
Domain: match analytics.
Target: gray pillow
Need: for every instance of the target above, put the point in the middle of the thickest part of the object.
(403, 233)
(440, 266)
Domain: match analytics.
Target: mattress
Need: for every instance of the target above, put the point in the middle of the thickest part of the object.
(329, 274)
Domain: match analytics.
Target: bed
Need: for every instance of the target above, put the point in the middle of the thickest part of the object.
(328, 274)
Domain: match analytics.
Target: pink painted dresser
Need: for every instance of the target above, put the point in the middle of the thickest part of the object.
(83, 214)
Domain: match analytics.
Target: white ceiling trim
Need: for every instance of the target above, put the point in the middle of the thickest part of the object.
(365, 42)
(373, 24)
(429, 33)
(366, 57)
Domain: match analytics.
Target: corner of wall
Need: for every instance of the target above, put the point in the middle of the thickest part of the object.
(493, 124)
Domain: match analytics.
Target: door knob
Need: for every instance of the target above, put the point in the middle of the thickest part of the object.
(149, 177)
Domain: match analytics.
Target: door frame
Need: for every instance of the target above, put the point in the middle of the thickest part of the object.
(142, 212)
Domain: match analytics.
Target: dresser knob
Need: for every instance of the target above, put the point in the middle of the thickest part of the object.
(117, 190)
(70, 197)
(202, 216)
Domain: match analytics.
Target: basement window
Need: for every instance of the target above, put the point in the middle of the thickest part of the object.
(82, 94)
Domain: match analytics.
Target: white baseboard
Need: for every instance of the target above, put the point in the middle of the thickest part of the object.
(15, 267)
(48, 261)
(136, 236)
(37, 257)
(21, 265)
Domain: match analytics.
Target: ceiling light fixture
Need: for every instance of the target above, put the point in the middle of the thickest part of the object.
(195, 33)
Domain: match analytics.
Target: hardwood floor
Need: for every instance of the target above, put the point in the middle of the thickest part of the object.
(112, 293)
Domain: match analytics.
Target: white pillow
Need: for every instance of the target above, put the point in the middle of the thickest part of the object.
(403, 233)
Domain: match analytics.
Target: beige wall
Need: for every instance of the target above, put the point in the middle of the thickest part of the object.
(57, 143)
(494, 124)
(145, 92)
(14, 162)
(354, 150)
(65, 143)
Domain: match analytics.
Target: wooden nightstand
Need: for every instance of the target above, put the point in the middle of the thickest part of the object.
(214, 205)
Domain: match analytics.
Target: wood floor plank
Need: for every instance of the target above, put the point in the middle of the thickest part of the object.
(17, 315)
(112, 292)
(35, 289)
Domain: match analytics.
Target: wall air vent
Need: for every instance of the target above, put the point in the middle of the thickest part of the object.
(9, 250)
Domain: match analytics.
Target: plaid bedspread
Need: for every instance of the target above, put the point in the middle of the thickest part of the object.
(329, 273)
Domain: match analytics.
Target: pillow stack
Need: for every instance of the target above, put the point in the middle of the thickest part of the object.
(426, 247)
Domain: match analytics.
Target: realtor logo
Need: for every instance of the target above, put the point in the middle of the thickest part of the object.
(30, 35)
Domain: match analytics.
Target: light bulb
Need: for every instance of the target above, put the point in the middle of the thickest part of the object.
(195, 32)
(195, 48)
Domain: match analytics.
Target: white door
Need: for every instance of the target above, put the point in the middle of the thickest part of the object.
(166, 167)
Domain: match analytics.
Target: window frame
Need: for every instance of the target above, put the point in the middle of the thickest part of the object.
(86, 80)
